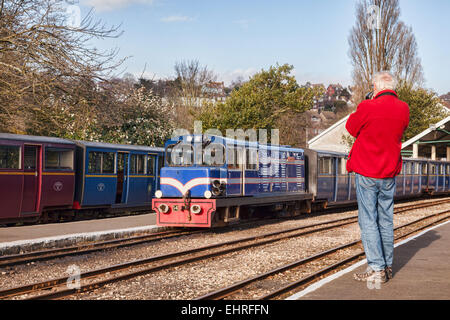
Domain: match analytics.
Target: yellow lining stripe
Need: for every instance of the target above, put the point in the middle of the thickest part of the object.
(100, 176)
(141, 176)
(58, 173)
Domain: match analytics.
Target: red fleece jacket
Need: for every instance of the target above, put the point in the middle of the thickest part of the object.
(378, 127)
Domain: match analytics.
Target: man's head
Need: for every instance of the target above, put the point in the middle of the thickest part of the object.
(383, 80)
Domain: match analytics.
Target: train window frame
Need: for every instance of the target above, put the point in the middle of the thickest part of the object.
(101, 154)
(153, 159)
(19, 158)
(237, 163)
(424, 168)
(248, 165)
(168, 153)
(321, 166)
(408, 168)
(208, 147)
(67, 160)
(342, 163)
(416, 168)
(441, 169)
(433, 168)
(137, 164)
(447, 169)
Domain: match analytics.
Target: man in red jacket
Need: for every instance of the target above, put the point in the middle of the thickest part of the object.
(378, 125)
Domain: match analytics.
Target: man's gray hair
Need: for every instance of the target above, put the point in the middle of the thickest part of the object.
(384, 80)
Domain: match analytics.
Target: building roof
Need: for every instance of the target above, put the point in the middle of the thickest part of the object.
(426, 132)
(320, 135)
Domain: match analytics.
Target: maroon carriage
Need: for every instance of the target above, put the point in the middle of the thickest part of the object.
(36, 175)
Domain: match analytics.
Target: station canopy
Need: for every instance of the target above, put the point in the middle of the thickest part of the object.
(432, 143)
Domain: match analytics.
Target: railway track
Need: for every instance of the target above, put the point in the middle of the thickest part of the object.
(91, 280)
(244, 288)
(42, 255)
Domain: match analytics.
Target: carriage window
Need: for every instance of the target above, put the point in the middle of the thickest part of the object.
(160, 163)
(137, 165)
(416, 168)
(408, 168)
(433, 169)
(151, 165)
(214, 155)
(58, 159)
(342, 166)
(101, 162)
(424, 168)
(441, 169)
(180, 155)
(448, 169)
(325, 165)
(251, 159)
(10, 157)
(108, 162)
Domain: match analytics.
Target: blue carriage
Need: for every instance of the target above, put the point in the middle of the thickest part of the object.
(113, 176)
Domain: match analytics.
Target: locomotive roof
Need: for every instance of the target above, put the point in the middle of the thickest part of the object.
(28, 138)
(240, 142)
(118, 146)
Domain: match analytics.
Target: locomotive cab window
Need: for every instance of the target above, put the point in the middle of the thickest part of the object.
(58, 159)
(10, 157)
(180, 155)
(234, 157)
(214, 155)
(251, 159)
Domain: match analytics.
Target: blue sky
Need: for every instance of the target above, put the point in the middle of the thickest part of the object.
(242, 37)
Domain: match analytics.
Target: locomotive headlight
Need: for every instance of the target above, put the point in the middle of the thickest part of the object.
(196, 209)
(216, 191)
(207, 194)
(164, 208)
(216, 184)
(158, 194)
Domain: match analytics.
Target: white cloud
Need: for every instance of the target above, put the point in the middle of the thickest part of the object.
(108, 5)
(176, 18)
(245, 74)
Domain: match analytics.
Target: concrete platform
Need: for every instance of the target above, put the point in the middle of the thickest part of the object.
(15, 240)
(421, 271)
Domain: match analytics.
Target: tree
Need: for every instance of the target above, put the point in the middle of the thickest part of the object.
(142, 119)
(424, 107)
(48, 70)
(260, 103)
(387, 44)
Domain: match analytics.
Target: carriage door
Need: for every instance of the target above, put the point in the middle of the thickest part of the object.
(122, 177)
(151, 176)
(31, 179)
